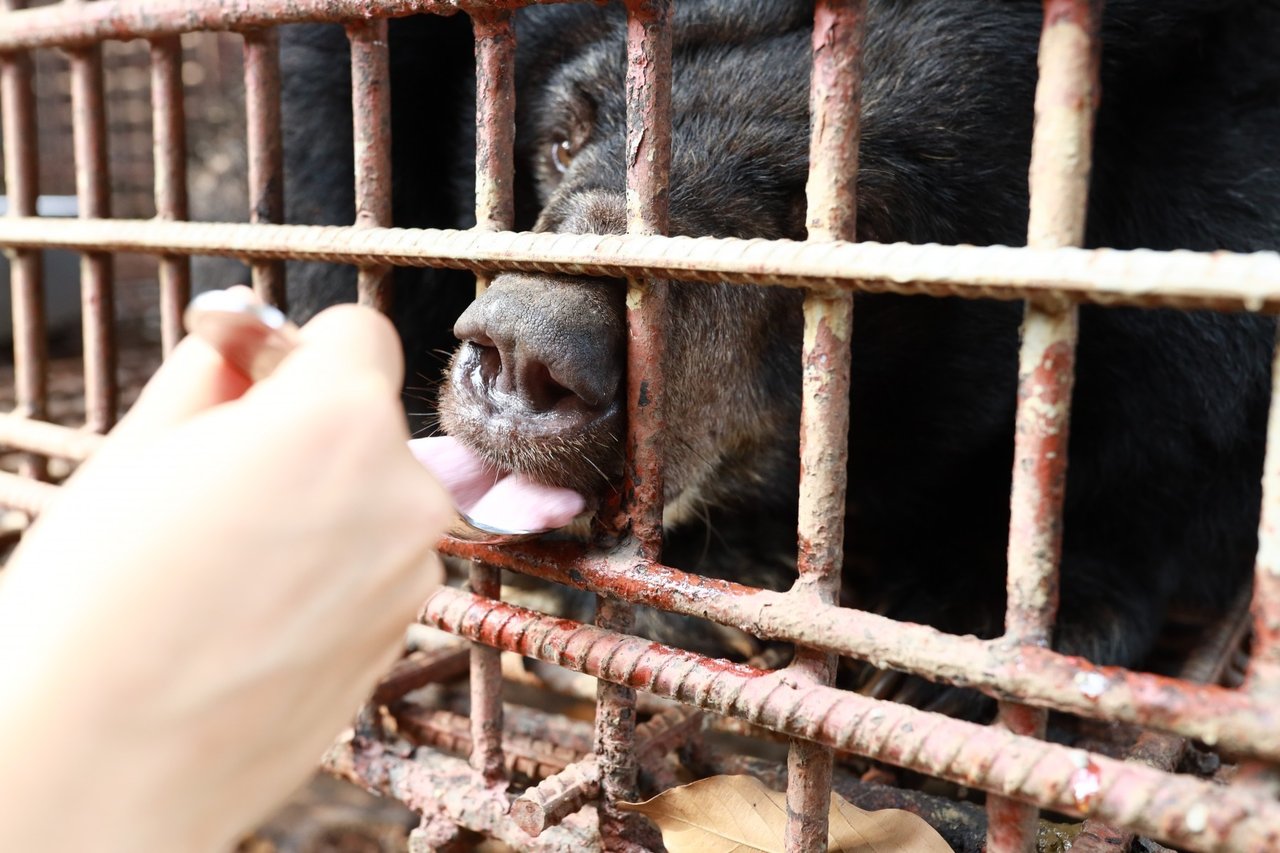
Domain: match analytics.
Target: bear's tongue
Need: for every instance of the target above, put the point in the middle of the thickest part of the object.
(491, 496)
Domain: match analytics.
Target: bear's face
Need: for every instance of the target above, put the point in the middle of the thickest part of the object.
(537, 385)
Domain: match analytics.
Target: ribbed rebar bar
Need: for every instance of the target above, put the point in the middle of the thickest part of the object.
(1215, 715)
(1188, 812)
(1219, 281)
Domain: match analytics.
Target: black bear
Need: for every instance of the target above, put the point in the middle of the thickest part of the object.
(1169, 408)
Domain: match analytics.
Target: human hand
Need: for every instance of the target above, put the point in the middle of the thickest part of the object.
(211, 597)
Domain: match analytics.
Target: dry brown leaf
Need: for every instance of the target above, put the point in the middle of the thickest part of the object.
(738, 814)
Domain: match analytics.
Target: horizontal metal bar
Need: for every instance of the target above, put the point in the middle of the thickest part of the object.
(437, 785)
(1180, 279)
(1216, 715)
(30, 496)
(1192, 813)
(48, 439)
(59, 26)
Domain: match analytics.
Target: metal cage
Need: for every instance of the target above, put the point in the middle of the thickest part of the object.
(575, 804)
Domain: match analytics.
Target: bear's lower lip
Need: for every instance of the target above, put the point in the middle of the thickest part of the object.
(573, 449)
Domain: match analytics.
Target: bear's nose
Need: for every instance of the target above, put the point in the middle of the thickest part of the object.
(540, 345)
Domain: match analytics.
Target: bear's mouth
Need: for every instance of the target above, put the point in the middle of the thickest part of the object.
(563, 446)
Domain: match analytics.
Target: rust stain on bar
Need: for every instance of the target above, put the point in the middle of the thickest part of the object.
(371, 111)
(835, 102)
(495, 211)
(1061, 154)
(1191, 813)
(21, 176)
(93, 189)
(169, 153)
(1214, 281)
(266, 154)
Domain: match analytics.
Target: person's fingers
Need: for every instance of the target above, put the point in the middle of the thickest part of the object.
(192, 379)
(343, 341)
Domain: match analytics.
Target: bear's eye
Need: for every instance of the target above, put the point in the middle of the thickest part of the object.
(562, 151)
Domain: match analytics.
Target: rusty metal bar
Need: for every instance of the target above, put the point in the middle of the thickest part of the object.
(93, 189)
(1061, 158)
(21, 177)
(835, 101)
(495, 119)
(495, 47)
(47, 439)
(648, 93)
(266, 153)
(129, 19)
(418, 669)
(556, 797)
(440, 786)
(1207, 664)
(371, 109)
(1217, 281)
(169, 154)
(1184, 811)
(538, 746)
(566, 792)
(1217, 716)
(1263, 674)
(30, 496)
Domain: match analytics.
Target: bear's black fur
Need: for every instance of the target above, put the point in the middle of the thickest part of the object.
(1169, 408)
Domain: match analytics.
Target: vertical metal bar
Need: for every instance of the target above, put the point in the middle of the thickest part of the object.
(495, 210)
(1263, 674)
(371, 110)
(93, 188)
(266, 155)
(169, 154)
(1061, 157)
(648, 176)
(21, 178)
(835, 99)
